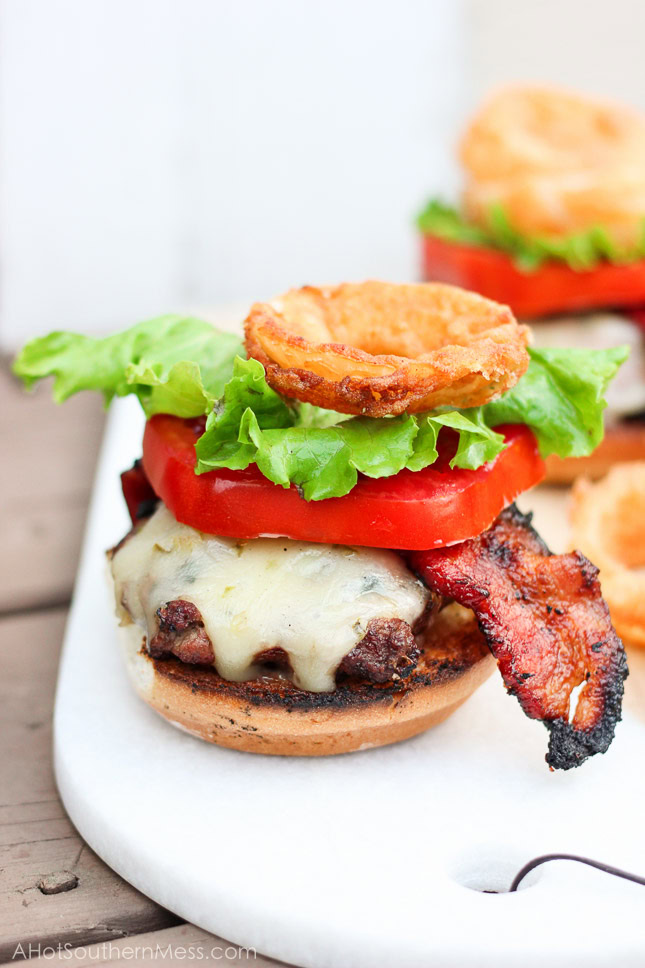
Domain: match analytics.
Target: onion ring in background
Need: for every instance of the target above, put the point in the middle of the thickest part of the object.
(558, 163)
(608, 521)
(378, 348)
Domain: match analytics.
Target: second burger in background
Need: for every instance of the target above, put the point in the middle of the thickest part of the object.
(552, 223)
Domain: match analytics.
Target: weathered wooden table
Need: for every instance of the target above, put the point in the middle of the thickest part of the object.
(49, 456)
(54, 891)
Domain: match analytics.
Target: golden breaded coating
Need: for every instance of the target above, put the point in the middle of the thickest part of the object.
(558, 162)
(608, 521)
(378, 348)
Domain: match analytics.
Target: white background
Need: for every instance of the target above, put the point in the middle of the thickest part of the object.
(160, 154)
(164, 154)
(590, 45)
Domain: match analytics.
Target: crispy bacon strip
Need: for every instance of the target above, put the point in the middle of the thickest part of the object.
(546, 623)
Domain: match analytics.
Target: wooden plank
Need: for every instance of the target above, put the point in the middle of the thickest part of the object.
(49, 458)
(172, 945)
(36, 837)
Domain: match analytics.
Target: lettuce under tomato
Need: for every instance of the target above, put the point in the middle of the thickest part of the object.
(185, 367)
(582, 250)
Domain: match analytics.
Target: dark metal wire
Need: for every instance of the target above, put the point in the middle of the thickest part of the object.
(607, 868)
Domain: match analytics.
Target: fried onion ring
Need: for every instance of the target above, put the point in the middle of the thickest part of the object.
(608, 520)
(558, 163)
(378, 348)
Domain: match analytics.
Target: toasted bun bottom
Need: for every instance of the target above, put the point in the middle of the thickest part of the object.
(270, 715)
(623, 442)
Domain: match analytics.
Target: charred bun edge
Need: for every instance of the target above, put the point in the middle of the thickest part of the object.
(271, 715)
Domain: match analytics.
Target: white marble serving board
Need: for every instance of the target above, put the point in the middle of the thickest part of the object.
(376, 859)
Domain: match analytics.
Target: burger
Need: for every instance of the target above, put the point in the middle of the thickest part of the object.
(552, 223)
(324, 554)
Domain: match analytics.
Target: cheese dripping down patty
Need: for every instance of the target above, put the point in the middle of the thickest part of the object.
(315, 601)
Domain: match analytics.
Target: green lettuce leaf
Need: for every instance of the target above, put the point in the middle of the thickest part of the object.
(320, 451)
(174, 364)
(224, 443)
(476, 443)
(580, 251)
(561, 398)
(183, 366)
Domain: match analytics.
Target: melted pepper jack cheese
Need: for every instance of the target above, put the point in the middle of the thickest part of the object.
(313, 600)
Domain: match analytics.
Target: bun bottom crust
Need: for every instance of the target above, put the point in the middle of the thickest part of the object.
(270, 715)
(623, 442)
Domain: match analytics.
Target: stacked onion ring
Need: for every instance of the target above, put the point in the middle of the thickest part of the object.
(377, 348)
(558, 163)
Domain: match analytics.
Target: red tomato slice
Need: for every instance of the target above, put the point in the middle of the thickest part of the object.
(412, 511)
(553, 288)
(137, 491)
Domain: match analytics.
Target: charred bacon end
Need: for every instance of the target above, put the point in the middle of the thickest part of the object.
(546, 623)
